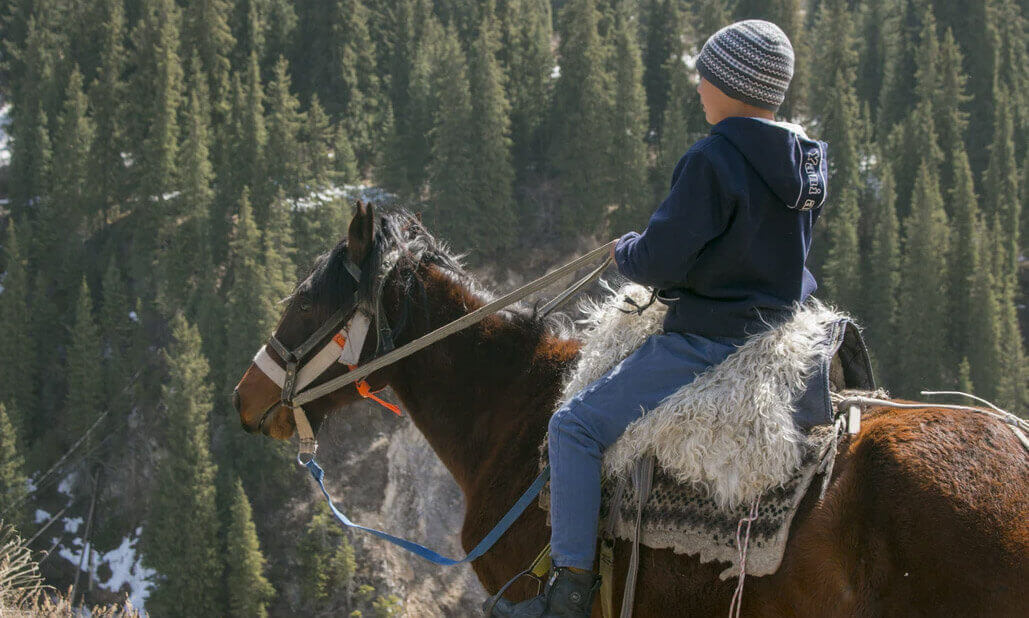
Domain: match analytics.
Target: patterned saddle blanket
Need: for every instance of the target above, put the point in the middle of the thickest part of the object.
(746, 437)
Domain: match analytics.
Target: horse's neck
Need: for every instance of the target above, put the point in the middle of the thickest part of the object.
(481, 397)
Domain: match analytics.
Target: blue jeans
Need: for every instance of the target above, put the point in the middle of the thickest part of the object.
(592, 420)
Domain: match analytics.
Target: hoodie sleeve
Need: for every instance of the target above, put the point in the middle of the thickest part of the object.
(695, 211)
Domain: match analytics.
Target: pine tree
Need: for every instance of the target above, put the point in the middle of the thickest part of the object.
(984, 323)
(13, 482)
(246, 586)
(187, 563)
(279, 248)
(673, 141)
(36, 93)
(628, 125)
(252, 137)
(491, 221)
(964, 259)
(878, 33)
(582, 104)
(978, 36)
(116, 333)
(285, 169)
(451, 158)
(898, 89)
(842, 271)
(1013, 64)
(882, 273)
(319, 228)
(280, 25)
(415, 51)
(318, 138)
(327, 561)
(84, 400)
(947, 106)
(529, 62)
(919, 137)
(208, 34)
(159, 74)
(107, 102)
(15, 386)
(711, 16)
(344, 162)
(663, 41)
(50, 378)
(249, 298)
(1002, 194)
(353, 81)
(1012, 378)
(187, 259)
(832, 87)
(924, 357)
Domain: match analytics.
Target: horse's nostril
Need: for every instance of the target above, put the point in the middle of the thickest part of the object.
(235, 399)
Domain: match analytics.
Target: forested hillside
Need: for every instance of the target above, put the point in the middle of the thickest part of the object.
(168, 168)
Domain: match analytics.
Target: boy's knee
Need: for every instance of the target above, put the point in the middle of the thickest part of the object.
(558, 420)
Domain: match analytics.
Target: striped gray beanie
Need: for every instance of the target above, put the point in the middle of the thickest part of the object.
(751, 60)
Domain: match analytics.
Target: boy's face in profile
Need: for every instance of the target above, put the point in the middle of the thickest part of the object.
(716, 103)
(719, 106)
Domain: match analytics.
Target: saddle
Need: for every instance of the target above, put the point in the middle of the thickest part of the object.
(742, 442)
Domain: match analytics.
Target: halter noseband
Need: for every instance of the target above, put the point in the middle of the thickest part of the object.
(351, 326)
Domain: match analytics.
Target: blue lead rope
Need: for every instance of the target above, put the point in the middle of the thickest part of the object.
(484, 545)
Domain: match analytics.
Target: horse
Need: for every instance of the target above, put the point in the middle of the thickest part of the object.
(926, 512)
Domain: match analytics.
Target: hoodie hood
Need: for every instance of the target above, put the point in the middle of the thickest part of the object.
(791, 164)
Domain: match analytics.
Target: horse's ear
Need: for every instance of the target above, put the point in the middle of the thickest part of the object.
(361, 232)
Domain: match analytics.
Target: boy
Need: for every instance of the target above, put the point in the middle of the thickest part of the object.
(728, 246)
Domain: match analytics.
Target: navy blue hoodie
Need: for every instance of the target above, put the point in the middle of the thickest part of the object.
(729, 242)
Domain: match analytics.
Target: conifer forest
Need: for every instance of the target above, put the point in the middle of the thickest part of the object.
(169, 169)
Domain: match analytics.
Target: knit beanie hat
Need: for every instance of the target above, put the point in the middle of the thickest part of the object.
(751, 60)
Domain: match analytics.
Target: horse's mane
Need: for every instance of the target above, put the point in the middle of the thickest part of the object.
(401, 239)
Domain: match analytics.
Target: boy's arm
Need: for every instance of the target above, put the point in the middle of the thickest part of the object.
(695, 211)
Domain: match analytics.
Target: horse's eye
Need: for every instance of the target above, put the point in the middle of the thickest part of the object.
(305, 303)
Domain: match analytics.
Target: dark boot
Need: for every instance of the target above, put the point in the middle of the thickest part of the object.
(567, 594)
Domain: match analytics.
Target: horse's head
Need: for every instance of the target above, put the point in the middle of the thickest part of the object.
(330, 305)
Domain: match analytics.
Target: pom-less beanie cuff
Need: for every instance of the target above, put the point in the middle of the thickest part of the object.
(751, 61)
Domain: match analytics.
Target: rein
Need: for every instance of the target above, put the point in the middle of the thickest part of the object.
(345, 347)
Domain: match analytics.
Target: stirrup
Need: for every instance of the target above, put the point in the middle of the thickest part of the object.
(487, 607)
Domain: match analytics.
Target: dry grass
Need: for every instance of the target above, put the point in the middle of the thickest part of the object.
(23, 592)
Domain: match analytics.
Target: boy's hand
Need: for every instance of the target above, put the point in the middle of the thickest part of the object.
(613, 250)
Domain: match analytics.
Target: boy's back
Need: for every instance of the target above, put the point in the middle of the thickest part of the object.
(730, 241)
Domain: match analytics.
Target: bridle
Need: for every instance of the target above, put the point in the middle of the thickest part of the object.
(349, 328)
(295, 380)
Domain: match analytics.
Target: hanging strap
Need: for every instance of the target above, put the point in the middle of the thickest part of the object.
(484, 545)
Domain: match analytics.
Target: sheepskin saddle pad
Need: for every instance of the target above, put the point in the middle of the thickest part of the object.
(748, 434)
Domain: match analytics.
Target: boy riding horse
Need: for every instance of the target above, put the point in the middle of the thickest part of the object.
(726, 248)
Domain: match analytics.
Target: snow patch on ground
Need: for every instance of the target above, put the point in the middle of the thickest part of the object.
(67, 483)
(71, 524)
(125, 563)
(5, 138)
(365, 193)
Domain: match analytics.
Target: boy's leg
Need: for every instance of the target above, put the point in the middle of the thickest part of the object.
(592, 420)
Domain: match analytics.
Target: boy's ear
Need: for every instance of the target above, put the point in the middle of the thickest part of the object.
(361, 233)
